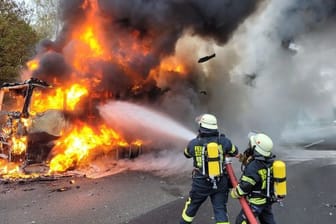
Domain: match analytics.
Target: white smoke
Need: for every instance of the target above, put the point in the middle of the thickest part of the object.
(288, 81)
(164, 163)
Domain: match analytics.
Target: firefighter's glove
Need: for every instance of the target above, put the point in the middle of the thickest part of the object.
(240, 157)
(234, 193)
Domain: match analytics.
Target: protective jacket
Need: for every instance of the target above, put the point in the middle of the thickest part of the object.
(253, 182)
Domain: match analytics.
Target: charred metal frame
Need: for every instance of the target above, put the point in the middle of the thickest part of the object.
(14, 123)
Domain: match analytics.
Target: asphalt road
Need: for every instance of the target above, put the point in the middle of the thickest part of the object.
(311, 199)
(136, 197)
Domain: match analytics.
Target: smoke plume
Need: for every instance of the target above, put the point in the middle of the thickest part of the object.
(154, 26)
(285, 56)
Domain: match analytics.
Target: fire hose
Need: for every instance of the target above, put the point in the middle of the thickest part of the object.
(245, 206)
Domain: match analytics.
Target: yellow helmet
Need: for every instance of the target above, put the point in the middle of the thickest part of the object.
(208, 121)
(262, 143)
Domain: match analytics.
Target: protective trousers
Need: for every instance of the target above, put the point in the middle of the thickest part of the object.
(262, 212)
(201, 189)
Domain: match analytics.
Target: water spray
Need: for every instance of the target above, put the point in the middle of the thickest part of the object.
(142, 121)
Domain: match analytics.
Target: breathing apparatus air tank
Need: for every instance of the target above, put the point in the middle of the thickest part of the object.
(214, 168)
(279, 176)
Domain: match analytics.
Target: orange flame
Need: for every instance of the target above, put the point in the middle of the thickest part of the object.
(60, 98)
(88, 38)
(33, 64)
(10, 170)
(169, 66)
(19, 145)
(80, 143)
(92, 42)
(173, 65)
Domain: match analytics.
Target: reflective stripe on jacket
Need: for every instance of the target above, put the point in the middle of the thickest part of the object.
(254, 180)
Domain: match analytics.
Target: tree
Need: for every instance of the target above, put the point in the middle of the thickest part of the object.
(45, 20)
(17, 40)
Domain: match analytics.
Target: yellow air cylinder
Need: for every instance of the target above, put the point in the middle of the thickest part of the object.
(213, 160)
(279, 175)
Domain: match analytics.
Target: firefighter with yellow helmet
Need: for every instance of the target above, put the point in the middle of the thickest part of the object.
(262, 181)
(209, 178)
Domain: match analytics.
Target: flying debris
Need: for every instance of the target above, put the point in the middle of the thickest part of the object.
(206, 58)
(290, 45)
(250, 79)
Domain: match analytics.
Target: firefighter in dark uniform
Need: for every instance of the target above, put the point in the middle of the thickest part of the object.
(253, 182)
(203, 186)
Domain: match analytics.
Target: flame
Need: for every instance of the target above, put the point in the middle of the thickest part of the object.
(26, 122)
(74, 94)
(6, 131)
(81, 142)
(10, 170)
(88, 47)
(7, 168)
(138, 142)
(92, 42)
(19, 145)
(88, 38)
(60, 98)
(33, 64)
(14, 132)
(173, 65)
(169, 66)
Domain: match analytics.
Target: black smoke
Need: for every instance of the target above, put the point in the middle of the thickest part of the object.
(53, 64)
(158, 25)
(169, 19)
